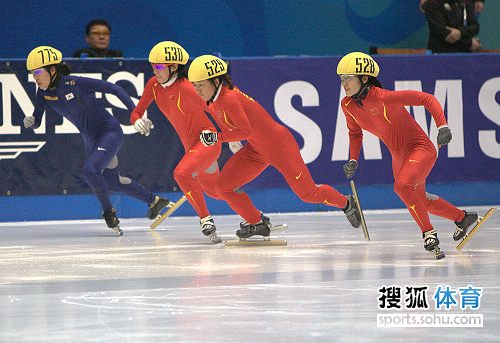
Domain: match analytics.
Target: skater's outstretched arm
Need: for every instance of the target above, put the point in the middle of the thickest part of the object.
(35, 120)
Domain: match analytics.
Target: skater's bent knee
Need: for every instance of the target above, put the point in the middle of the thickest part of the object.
(181, 174)
(403, 186)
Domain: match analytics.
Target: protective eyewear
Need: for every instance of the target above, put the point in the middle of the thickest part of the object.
(346, 78)
(160, 66)
(37, 72)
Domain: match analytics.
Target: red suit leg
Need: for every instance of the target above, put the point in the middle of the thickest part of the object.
(291, 165)
(239, 170)
(410, 173)
(194, 163)
(442, 208)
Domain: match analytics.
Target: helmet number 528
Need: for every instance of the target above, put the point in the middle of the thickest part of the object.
(365, 65)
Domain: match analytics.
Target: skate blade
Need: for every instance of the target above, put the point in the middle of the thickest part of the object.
(472, 232)
(278, 227)
(255, 242)
(217, 240)
(358, 205)
(167, 213)
(438, 254)
(118, 231)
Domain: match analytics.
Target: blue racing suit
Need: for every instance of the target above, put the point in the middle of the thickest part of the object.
(74, 98)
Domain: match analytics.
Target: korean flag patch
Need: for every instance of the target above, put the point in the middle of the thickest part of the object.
(69, 96)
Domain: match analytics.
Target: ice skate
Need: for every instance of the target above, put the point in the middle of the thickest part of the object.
(112, 221)
(352, 213)
(431, 243)
(158, 204)
(468, 220)
(246, 225)
(263, 228)
(171, 208)
(463, 226)
(360, 210)
(208, 229)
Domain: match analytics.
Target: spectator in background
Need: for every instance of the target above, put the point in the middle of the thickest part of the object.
(97, 36)
(478, 6)
(453, 26)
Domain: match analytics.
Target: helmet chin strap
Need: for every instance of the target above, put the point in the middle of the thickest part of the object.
(361, 94)
(170, 75)
(216, 90)
(54, 80)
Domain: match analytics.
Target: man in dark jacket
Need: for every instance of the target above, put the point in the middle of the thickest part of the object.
(97, 36)
(453, 26)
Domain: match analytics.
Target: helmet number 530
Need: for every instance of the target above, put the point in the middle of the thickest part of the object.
(173, 54)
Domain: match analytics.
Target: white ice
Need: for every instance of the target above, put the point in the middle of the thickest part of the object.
(75, 281)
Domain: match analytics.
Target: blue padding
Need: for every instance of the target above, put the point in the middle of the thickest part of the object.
(38, 208)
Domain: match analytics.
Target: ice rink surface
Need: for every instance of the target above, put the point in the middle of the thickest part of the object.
(75, 281)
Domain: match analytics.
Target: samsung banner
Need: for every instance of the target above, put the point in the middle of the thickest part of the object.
(302, 93)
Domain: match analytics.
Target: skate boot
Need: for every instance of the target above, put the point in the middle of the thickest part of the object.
(245, 225)
(262, 228)
(431, 243)
(157, 205)
(352, 213)
(112, 221)
(208, 229)
(464, 225)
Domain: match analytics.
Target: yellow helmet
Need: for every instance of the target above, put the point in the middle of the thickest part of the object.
(43, 56)
(168, 52)
(358, 63)
(205, 67)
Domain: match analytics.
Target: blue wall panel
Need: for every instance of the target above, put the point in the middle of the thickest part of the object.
(232, 27)
(301, 93)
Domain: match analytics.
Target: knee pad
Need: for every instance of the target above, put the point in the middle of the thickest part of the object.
(213, 168)
(124, 180)
(430, 196)
(113, 164)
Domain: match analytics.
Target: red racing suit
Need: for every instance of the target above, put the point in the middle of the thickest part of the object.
(198, 170)
(413, 154)
(268, 143)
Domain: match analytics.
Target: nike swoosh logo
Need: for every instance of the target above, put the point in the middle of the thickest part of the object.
(298, 176)
(412, 161)
(193, 150)
(101, 149)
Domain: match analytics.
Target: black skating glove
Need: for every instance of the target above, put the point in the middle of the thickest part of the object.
(208, 137)
(350, 168)
(444, 136)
